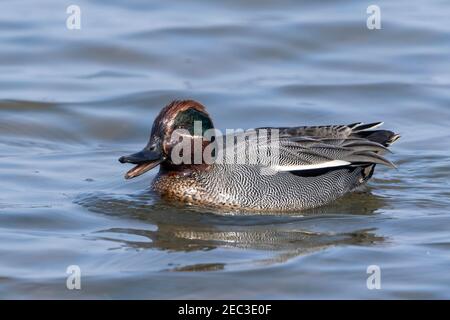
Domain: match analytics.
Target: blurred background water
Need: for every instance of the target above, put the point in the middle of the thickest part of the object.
(73, 101)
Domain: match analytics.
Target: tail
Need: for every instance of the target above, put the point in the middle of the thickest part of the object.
(383, 137)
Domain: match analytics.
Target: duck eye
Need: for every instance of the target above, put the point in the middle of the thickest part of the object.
(152, 147)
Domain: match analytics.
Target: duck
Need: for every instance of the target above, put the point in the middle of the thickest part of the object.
(301, 168)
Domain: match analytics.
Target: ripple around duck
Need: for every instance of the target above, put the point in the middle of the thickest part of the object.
(177, 229)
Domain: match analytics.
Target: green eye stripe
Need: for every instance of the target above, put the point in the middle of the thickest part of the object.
(186, 119)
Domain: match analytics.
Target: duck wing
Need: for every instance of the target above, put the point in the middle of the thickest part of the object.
(311, 154)
(354, 130)
(328, 131)
(318, 147)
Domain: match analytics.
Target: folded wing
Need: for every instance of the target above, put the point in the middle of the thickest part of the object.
(318, 147)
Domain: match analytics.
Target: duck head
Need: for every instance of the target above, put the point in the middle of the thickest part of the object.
(178, 115)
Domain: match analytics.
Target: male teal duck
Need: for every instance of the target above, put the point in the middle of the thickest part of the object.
(308, 167)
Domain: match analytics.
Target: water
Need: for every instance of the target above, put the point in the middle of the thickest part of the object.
(72, 102)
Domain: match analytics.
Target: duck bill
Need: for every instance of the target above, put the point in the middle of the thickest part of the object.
(144, 160)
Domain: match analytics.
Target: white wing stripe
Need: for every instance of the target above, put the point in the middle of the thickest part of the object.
(329, 164)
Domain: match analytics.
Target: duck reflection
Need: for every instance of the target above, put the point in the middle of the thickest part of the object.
(181, 229)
